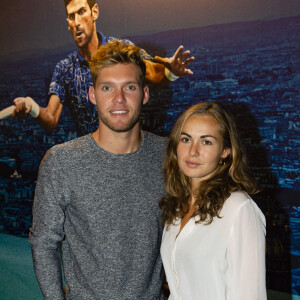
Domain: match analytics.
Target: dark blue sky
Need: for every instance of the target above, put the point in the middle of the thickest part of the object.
(32, 24)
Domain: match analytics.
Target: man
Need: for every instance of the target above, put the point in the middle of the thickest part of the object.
(97, 196)
(72, 79)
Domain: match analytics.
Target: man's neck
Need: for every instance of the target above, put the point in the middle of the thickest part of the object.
(90, 49)
(118, 142)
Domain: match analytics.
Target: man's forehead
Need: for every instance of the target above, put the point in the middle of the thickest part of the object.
(119, 73)
(75, 5)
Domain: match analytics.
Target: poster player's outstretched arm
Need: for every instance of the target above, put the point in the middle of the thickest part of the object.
(47, 117)
(166, 69)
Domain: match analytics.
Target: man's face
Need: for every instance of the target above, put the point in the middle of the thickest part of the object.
(81, 21)
(119, 95)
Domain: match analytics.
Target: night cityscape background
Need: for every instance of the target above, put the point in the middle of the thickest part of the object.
(252, 67)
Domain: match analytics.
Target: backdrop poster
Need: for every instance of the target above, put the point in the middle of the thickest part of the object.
(247, 57)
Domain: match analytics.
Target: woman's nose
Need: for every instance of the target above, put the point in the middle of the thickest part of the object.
(194, 149)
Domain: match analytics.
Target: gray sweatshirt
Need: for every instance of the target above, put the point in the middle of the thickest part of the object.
(102, 208)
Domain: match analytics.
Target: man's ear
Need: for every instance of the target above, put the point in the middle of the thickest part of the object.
(68, 24)
(226, 152)
(95, 12)
(92, 95)
(146, 94)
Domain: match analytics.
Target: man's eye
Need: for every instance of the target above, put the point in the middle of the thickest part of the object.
(206, 142)
(81, 11)
(71, 17)
(131, 87)
(105, 88)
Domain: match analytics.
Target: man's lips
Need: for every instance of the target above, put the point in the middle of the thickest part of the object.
(78, 33)
(119, 112)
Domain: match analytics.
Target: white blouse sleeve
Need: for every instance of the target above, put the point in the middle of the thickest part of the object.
(246, 254)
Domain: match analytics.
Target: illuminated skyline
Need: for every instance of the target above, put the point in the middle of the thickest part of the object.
(33, 24)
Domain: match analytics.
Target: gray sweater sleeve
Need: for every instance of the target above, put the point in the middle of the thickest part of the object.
(47, 231)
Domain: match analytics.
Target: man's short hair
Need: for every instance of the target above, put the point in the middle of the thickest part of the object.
(117, 52)
(91, 3)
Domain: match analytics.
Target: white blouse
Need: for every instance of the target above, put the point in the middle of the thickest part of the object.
(221, 261)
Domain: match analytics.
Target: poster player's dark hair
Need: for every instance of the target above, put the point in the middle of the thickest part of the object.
(91, 3)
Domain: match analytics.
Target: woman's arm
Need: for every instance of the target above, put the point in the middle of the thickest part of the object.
(246, 254)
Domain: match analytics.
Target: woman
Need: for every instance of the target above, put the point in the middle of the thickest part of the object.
(213, 245)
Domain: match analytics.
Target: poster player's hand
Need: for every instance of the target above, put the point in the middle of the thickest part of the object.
(178, 63)
(21, 110)
(25, 106)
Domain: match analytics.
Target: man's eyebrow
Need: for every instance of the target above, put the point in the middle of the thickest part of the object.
(125, 83)
(104, 82)
(132, 82)
(74, 12)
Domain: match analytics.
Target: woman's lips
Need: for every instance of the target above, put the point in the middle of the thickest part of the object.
(192, 164)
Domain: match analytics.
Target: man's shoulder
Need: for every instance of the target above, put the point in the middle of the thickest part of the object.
(111, 38)
(70, 149)
(69, 60)
(155, 139)
(154, 145)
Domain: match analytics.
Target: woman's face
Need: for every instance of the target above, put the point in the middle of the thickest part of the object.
(200, 148)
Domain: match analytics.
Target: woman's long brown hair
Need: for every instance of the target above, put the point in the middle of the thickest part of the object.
(230, 176)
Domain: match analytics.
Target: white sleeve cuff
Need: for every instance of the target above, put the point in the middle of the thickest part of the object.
(170, 75)
(35, 109)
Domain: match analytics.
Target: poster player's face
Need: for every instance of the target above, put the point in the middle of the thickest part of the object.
(81, 20)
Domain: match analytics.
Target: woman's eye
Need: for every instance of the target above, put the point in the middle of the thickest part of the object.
(206, 142)
(185, 140)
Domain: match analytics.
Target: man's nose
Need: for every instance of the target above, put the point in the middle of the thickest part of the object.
(77, 19)
(119, 96)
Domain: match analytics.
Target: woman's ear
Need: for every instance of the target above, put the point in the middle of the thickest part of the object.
(226, 152)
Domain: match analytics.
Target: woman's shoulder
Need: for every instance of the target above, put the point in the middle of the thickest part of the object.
(239, 202)
(238, 198)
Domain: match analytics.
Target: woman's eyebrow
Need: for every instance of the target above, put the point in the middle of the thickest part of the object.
(206, 136)
(202, 136)
(184, 133)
